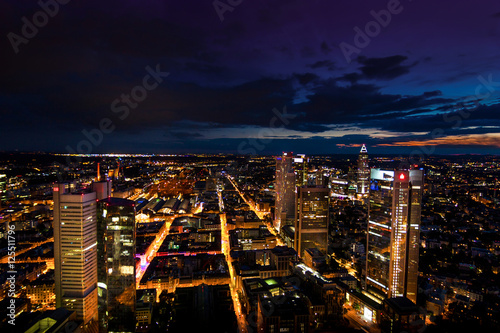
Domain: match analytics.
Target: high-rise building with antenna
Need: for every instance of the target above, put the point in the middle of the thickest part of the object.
(393, 237)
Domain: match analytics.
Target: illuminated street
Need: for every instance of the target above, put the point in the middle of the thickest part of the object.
(252, 206)
(153, 248)
(346, 265)
(5, 259)
(359, 323)
(261, 215)
(242, 326)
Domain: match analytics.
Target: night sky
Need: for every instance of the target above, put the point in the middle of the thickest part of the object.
(314, 77)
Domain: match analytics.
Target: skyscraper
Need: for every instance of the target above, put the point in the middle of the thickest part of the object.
(393, 232)
(75, 251)
(285, 191)
(300, 166)
(116, 265)
(3, 188)
(320, 179)
(363, 180)
(311, 230)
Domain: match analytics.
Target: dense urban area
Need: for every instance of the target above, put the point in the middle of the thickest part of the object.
(227, 243)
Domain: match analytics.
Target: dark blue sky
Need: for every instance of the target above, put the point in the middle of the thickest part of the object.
(415, 79)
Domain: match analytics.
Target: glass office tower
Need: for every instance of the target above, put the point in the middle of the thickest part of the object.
(116, 265)
(311, 230)
(285, 191)
(393, 232)
(300, 166)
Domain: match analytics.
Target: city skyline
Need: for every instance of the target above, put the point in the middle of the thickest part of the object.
(249, 166)
(316, 77)
(183, 243)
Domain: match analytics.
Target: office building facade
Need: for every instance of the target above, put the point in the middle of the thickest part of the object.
(312, 219)
(285, 191)
(393, 232)
(75, 252)
(301, 167)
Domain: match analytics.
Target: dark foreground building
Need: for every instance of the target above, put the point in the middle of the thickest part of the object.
(204, 308)
(401, 315)
(283, 313)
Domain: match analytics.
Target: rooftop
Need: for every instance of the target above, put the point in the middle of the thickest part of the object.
(112, 201)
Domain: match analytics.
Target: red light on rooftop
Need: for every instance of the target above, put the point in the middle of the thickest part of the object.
(402, 176)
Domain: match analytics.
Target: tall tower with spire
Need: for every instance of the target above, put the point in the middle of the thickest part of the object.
(363, 172)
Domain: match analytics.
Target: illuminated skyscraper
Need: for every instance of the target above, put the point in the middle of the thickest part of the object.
(300, 166)
(311, 230)
(393, 231)
(75, 252)
(285, 191)
(116, 265)
(3, 188)
(320, 179)
(363, 172)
